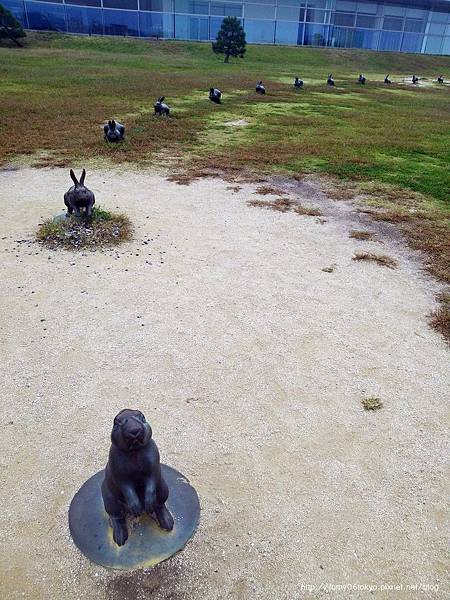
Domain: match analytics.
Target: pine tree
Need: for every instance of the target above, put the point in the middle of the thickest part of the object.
(10, 27)
(230, 40)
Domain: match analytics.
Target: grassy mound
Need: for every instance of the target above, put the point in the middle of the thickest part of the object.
(103, 228)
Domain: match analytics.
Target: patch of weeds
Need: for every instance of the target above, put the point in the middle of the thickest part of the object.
(310, 211)
(359, 234)
(279, 205)
(381, 259)
(372, 403)
(266, 190)
(439, 319)
(103, 228)
(234, 188)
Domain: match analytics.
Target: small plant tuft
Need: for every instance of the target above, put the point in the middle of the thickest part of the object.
(439, 319)
(372, 403)
(358, 234)
(381, 259)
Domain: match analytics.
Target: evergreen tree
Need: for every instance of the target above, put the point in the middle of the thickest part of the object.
(10, 27)
(230, 40)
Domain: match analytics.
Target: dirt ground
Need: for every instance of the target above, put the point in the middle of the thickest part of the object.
(250, 362)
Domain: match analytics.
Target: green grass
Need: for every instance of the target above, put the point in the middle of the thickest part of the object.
(58, 90)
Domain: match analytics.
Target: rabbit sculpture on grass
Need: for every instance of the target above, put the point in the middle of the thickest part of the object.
(114, 131)
(330, 80)
(361, 79)
(298, 83)
(415, 79)
(260, 89)
(440, 79)
(161, 107)
(387, 81)
(215, 95)
(78, 197)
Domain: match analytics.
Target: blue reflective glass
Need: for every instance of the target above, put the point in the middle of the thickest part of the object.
(341, 37)
(49, 17)
(437, 28)
(191, 28)
(344, 19)
(156, 5)
(261, 32)
(84, 20)
(411, 42)
(286, 33)
(394, 10)
(317, 16)
(259, 11)
(84, 2)
(367, 22)
(414, 25)
(433, 44)
(159, 25)
(392, 24)
(446, 46)
(438, 17)
(129, 4)
(227, 9)
(390, 41)
(366, 38)
(370, 8)
(290, 13)
(16, 8)
(120, 22)
(316, 35)
(196, 7)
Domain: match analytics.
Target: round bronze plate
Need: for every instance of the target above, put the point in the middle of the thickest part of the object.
(147, 544)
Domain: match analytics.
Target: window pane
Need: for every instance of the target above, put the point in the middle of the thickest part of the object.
(390, 41)
(191, 28)
(414, 25)
(130, 4)
(437, 28)
(227, 10)
(392, 24)
(292, 3)
(433, 45)
(344, 19)
(156, 5)
(365, 38)
(120, 22)
(343, 5)
(158, 25)
(259, 11)
(438, 17)
(342, 37)
(85, 2)
(446, 46)
(416, 13)
(411, 42)
(394, 11)
(316, 3)
(367, 22)
(196, 7)
(291, 13)
(286, 33)
(16, 8)
(46, 16)
(317, 16)
(259, 31)
(316, 35)
(84, 20)
(368, 8)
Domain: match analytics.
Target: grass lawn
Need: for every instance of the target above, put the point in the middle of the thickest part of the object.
(392, 143)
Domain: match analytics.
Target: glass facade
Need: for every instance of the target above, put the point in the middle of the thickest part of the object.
(407, 26)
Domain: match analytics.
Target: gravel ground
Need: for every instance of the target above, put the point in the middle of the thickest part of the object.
(251, 363)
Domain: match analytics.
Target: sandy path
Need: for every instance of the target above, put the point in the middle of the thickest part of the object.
(250, 362)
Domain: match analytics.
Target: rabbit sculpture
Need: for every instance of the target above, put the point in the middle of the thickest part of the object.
(387, 81)
(330, 80)
(78, 197)
(161, 107)
(298, 83)
(215, 95)
(114, 131)
(415, 79)
(361, 79)
(260, 89)
(440, 79)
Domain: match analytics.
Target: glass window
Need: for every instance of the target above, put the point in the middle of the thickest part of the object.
(286, 33)
(317, 16)
(446, 46)
(390, 41)
(370, 8)
(392, 24)
(262, 32)
(342, 37)
(259, 11)
(394, 10)
(417, 13)
(316, 35)
(48, 17)
(159, 25)
(414, 25)
(367, 22)
(438, 17)
(196, 7)
(130, 4)
(345, 19)
(437, 28)
(292, 3)
(226, 9)
(16, 8)
(84, 20)
(433, 44)
(366, 38)
(316, 3)
(85, 2)
(191, 28)
(156, 5)
(344, 5)
(120, 22)
(411, 42)
(290, 13)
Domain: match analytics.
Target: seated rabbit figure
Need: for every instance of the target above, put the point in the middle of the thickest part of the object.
(215, 95)
(361, 79)
(79, 197)
(114, 131)
(161, 107)
(260, 89)
(298, 83)
(440, 79)
(330, 80)
(415, 79)
(387, 80)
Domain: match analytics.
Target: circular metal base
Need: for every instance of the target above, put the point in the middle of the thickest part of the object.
(147, 544)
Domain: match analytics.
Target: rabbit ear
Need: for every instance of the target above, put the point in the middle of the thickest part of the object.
(113, 124)
(83, 175)
(73, 178)
(162, 98)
